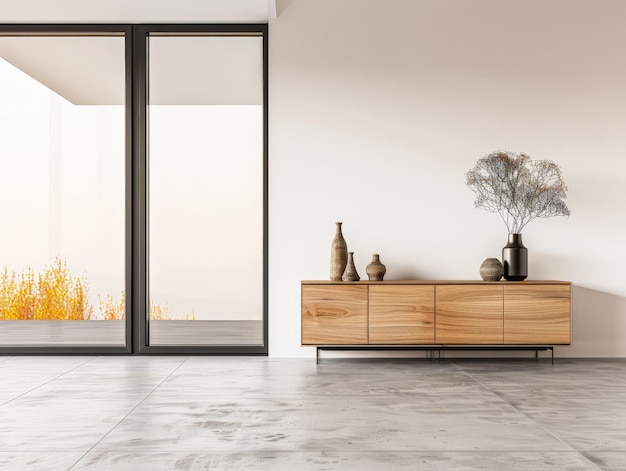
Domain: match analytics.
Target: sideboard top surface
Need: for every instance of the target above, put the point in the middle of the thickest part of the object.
(437, 282)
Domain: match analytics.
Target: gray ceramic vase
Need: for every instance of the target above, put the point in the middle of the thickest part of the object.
(375, 270)
(350, 274)
(491, 270)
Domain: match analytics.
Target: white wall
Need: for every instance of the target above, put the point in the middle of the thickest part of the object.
(379, 107)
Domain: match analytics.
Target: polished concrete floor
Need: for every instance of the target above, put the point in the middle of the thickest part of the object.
(253, 413)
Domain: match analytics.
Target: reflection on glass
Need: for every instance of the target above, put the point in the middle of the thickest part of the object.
(206, 190)
(61, 190)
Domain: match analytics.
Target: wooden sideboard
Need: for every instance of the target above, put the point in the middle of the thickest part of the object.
(436, 313)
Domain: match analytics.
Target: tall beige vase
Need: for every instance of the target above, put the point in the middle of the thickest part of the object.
(338, 255)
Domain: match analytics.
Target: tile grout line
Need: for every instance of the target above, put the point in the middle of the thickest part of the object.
(50, 380)
(126, 416)
(227, 451)
(255, 451)
(527, 416)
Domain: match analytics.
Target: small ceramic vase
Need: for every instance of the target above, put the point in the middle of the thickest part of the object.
(350, 274)
(491, 270)
(375, 270)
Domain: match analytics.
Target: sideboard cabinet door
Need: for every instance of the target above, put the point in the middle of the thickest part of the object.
(468, 314)
(334, 314)
(402, 314)
(537, 314)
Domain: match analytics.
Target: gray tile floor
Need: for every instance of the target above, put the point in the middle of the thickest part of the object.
(254, 413)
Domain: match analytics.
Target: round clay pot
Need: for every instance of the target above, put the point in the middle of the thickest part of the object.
(375, 270)
(491, 270)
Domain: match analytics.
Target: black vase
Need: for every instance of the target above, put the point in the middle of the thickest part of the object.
(515, 259)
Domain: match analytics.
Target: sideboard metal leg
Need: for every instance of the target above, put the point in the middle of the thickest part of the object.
(430, 350)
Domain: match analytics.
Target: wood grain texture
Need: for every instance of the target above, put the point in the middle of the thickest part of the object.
(465, 313)
(401, 314)
(537, 315)
(469, 314)
(334, 314)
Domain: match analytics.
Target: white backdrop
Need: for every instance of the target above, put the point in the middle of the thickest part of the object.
(377, 110)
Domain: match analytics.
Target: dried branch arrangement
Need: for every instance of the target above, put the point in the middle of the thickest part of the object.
(518, 188)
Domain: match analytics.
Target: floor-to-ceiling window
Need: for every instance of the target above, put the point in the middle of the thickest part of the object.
(62, 188)
(133, 171)
(205, 198)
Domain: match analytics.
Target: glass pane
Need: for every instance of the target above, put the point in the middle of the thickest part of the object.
(62, 190)
(205, 190)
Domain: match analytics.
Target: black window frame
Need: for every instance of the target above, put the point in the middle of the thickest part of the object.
(136, 184)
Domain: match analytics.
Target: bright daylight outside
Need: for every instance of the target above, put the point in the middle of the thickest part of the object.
(62, 193)
(205, 198)
(62, 188)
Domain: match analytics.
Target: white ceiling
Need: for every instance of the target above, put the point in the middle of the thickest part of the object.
(192, 70)
(184, 70)
(90, 70)
(83, 70)
(137, 11)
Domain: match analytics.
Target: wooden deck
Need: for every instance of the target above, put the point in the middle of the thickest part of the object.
(112, 333)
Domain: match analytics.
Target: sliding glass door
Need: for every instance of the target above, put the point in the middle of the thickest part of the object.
(62, 189)
(133, 189)
(205, 177)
